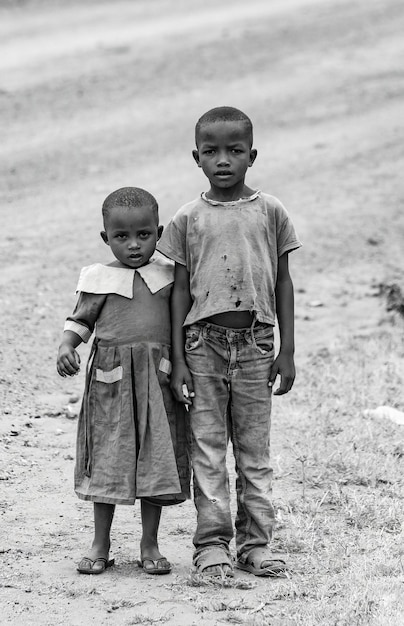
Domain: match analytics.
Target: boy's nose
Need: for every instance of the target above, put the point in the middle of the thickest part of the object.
(222, 158)
(134, 244)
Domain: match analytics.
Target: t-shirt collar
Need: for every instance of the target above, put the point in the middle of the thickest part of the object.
(239, 201)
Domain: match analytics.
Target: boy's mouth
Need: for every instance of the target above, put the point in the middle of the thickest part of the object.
(223, 174)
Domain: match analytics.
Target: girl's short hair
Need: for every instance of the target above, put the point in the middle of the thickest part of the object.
(132, 198)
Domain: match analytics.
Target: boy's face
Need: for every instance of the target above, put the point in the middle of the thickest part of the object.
(132, 234)
(224, 152)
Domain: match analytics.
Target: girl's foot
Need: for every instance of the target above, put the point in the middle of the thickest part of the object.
(151, 559)
(96, 566)
(97, 560)
(155, 566)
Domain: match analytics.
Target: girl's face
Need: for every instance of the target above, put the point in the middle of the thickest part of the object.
(132, 234)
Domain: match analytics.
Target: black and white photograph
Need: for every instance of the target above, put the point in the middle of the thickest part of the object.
(202, 312)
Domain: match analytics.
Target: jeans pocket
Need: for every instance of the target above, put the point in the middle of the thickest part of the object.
(263, 341)
(193, 338)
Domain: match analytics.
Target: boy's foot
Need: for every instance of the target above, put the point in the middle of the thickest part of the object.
(155, 566)
(94, 566)
(260, 562)
(214, 561)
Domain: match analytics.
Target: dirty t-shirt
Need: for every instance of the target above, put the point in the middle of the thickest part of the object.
(231, 252)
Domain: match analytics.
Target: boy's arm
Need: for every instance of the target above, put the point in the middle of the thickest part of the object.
(284, 363)
(68, 360)
(181, 303)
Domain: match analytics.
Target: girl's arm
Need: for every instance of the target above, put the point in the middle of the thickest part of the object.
(78, 328)
(181, 303)
(68, 360)
(284, 363)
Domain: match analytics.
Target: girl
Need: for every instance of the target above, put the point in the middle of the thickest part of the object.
(132, 437)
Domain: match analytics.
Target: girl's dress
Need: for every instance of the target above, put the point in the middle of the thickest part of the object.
(132, 439)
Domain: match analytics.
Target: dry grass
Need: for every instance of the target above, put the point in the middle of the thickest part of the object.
(345, 532)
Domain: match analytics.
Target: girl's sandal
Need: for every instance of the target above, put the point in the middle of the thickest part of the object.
(86, 565)
(159, 566)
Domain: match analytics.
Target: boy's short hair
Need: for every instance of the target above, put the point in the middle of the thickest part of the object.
(132, 198)
(223, 114)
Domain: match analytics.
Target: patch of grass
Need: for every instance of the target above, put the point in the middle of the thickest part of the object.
(344, 532)
(145, 619)
(181, 530)
(218, 582)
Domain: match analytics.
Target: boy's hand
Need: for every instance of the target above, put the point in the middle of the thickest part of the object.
(283, 366)
(181, 384)
(68, 361)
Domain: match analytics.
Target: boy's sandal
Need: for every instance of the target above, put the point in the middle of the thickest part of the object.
(252, 562)
(158, 566)
(86, 565)
(215, 557)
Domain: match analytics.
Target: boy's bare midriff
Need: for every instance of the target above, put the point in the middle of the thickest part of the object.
(231, 319)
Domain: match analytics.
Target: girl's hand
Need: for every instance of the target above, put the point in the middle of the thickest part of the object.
(283, 366)
(68, 361)
(181, 384)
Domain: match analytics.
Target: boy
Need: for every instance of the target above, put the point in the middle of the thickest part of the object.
(230, 248)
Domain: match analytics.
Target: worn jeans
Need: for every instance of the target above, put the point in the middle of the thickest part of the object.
(230, 370)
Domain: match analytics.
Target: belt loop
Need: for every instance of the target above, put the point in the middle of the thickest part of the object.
(254, 343)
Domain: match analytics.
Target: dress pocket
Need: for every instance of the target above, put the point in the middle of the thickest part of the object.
(106, 395)
(112, 376)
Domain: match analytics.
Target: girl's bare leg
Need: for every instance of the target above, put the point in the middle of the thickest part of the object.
(103, 516)
(151, 556)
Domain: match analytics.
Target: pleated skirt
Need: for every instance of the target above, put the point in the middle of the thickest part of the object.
(132, 437)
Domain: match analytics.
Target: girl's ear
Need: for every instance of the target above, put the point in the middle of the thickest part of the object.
(253, 156)
(104, 237)
(159, 232)
(195, 154)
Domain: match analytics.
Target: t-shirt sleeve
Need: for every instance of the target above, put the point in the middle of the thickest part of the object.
(86, 312)
(173, 240)
(287, 238)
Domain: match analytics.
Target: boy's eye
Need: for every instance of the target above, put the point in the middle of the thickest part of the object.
(120, 236)
(144, 235)
(208, 151)
(237, 150)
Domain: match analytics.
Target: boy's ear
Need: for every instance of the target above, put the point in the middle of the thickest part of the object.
(253, 156)
(195, 154)
(160, 231)
(104, 237)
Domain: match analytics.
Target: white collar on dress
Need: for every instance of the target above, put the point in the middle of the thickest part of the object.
(103, 279)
